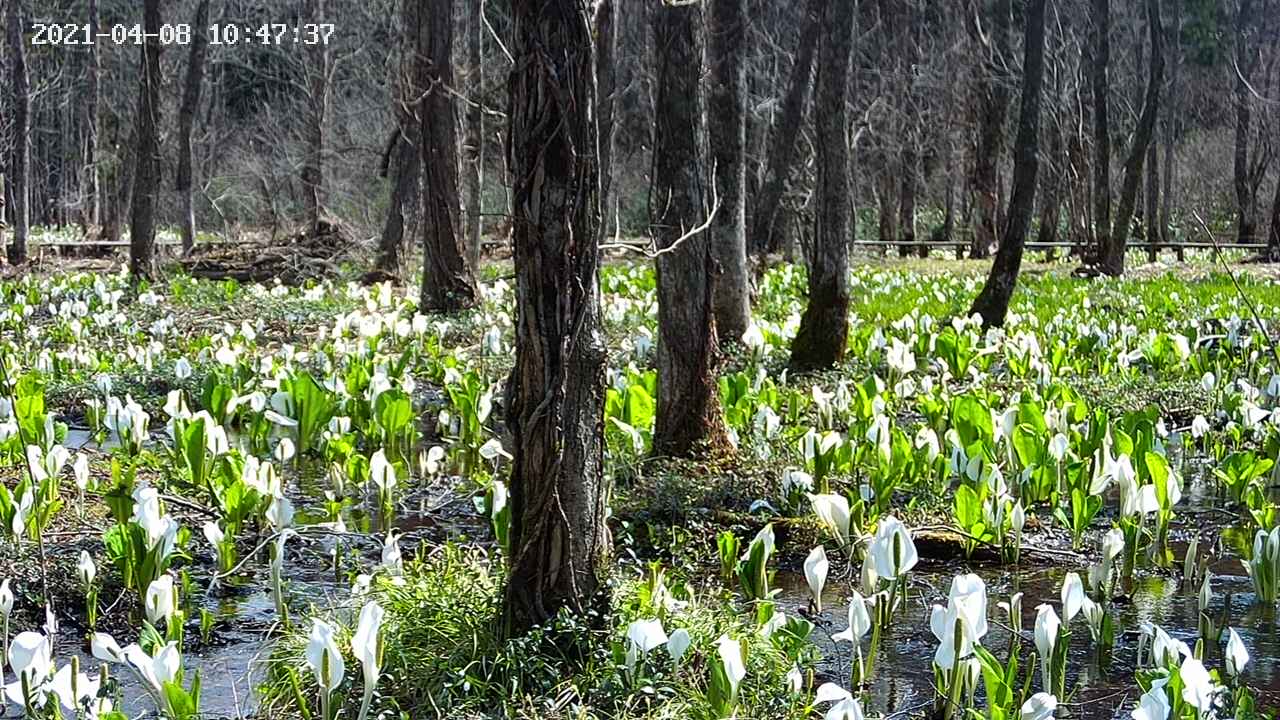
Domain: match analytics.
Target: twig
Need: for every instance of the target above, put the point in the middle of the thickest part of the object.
(1257, 319)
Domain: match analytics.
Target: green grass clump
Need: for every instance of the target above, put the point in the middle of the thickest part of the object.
(443, 656)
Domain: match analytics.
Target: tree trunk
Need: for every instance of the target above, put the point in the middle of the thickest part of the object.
(559, 537)
(606, 31)
(1101, 129)
(1051, 195)
(727, 99)
(994, 99)
(473, 143)
(688, 409)
(402, 170)
(907, 201)
(20, 160)
(1113, 259)
(186, 117)
(317, 77)
(782, 141)
(1171, 128)
(1151, 201)
(824, 328)
(993, 302)
(146, 176)
(93, 187)
(447, 282)
(1273, 236)
(1246, 197)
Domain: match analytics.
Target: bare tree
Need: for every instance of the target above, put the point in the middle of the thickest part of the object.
(400, 159)
(1113, 252)
(93, 67)
(316, 70)
(20, 160)
(688, 409)
(186, 118)
(1101, 90)
(1242, 69)
(473, 142)
(824, 328)
(447, 282)
(726, 119)
(783, 136)
(559, 538)
(146, 175)
(994, 101)
(993, 302)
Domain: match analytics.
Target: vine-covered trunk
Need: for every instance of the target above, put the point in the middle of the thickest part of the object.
(824, 327)
(558, 540)
(447, 283)
(993, 302)
(688, 411)
(726, 116)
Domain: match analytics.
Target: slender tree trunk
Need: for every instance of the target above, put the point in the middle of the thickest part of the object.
(949, 197)
(993, 302)
(782, 141)
(1101, 127)
(1113, 260)
(994, 98)
(606, 32)
(447, 282)
(559, 537)
(186, 118)
(20, 161)
(93, 187)
(1051, 195)
(473, 144)
(886, 203)
(1246, 196)
(727, 99)
(1151, 200)
(146, 176)
(907, 200)
(1273, 236)
(317, 76)
(688, 409)
(823, 335)
(1172, 127)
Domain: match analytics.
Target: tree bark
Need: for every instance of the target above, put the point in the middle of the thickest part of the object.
(20, 160)
(1151, 201)
(731, 300)
(606, 31)
(1113, 259)
(993, 302)
(994, 99)
(402, 170)
(1051, 194)
(473, 143)
(907, 201)
(146, 176)
(447, 282)
(559, 538)
(1246, 196)
(317, 79)
(1273, 236)
(186, 118)
(93, 186)
(782, 141)
(688, 410)
(824, 327)
(1101, 127)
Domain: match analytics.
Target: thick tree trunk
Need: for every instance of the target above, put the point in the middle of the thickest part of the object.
(824, 327)
(1101, 87)
(447, 282)
(186, 119)
(146, 176)
(559, 537)
(688, 414)
(1113, 259)
(1273, 236)
(473, 143)
(726, 110)
(994, 98)
(782, 140)
(993, 302)
(317, 77)
(1246, 196)
(20, 160)
(92, 183)
(402, 171)
(606, 32)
